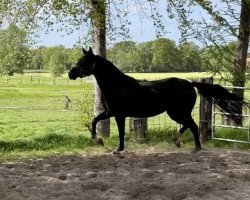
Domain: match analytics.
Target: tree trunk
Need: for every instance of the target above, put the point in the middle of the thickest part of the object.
(243, 42)
(98, 22)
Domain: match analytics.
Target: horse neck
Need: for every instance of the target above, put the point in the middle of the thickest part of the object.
(109, 77)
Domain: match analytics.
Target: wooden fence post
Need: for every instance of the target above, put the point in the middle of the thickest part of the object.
(140, 127)
(205, 125)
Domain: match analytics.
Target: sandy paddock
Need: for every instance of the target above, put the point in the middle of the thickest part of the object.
(176, 175)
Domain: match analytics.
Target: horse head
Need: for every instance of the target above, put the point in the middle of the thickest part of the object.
(85, 65)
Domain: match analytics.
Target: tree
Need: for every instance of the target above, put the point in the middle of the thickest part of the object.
(55, 59)
(218, 59)
(165, 55)
(126, 56)
(146, 55)
(57, 63)
(14, 50)
(189, 54)
(229, 20)
(45, 57)
(155, 56)
(243, 33)
(37, 61)
(73, 56)
(47, 53)
(242, 48)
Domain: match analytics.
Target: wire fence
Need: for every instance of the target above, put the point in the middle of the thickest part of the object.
(40, 121)
(41, 80)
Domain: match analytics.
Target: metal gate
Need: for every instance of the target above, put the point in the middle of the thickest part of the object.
(244, 128)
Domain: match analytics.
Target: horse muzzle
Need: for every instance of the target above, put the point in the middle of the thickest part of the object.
(73, 73)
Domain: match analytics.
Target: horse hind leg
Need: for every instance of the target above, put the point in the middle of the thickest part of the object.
(194, 129)
(120, 120)
(180, 117)
(188, 123)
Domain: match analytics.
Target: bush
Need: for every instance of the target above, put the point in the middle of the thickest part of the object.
(86, 107)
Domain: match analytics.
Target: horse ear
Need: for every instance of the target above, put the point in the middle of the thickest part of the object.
(90, 50)
(84, 51)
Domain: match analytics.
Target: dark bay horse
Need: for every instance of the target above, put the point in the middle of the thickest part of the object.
(124, 96)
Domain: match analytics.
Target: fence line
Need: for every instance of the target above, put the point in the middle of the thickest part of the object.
(36, 109)
(39, 80)
(162, 121)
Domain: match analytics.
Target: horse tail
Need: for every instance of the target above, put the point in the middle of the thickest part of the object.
(225, 101)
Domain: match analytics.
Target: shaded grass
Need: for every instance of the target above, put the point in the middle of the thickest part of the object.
(46, 142)
(234, 134)
(79, 142)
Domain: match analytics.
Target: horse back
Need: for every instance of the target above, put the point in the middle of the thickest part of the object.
(169, 86)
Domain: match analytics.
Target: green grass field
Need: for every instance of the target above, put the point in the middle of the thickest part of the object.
(34, 121)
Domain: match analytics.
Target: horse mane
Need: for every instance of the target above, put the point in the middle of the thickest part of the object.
(113, 70)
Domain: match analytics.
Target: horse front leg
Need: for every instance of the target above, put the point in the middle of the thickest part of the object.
(102, 116)
(120, 120)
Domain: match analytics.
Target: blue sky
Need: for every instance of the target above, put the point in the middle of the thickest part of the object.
(138, 34)
(141, 29)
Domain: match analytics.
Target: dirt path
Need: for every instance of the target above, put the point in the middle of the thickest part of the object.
(152, 175)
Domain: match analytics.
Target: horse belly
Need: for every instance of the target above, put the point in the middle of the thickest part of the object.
(145, 107)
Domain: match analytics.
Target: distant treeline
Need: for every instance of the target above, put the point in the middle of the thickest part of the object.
(160, 55)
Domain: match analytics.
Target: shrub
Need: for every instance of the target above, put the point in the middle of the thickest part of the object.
(86, 107)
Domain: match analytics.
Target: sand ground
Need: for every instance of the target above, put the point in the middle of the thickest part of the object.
(152, 175)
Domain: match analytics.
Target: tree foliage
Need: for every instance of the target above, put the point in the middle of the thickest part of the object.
(220, 59)
(225, 21)
(123, 54)
(215, 33)
(165, 55)
(37, 60)
(190, 57)
(70, 16)
(161, 55)
(56, 59)
(14, 50)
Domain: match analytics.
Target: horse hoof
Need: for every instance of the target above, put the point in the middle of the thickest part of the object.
(99, 141)
(121, 154)
(197, 149)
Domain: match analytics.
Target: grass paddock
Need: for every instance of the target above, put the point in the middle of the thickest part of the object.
(34, 120)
